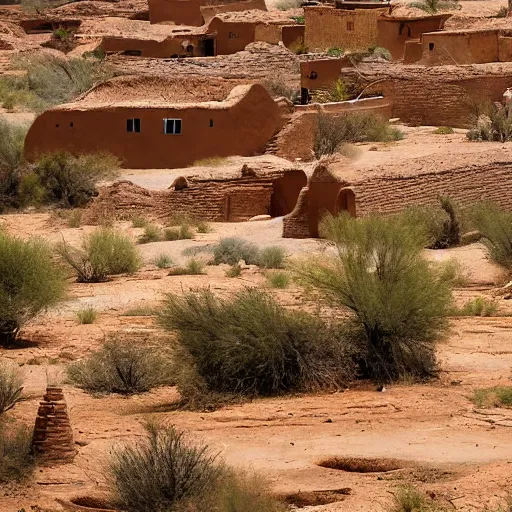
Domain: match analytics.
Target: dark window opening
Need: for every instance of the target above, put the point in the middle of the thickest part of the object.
(209, 47)
(172, 126)
(133, 125)
(409, 32)
(190, 49)
(56, 126)
(71, 124)
(211, 123)
(232, 35)
(133, 53)
(313, 75)
(350, 26)
(430, 46)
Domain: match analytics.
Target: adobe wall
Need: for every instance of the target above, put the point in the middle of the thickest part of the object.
(180, 12)
(505, 49)
(413, 52)
(327, 27)
(234, 200)
(268, 32)
(460, 47)
(303, 125)
(240, 126)
(212, 9)
(232, 37)
(392, 34)
(292, 35)
(321, 73)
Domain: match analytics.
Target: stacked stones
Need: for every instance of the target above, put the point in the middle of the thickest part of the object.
(53, 437)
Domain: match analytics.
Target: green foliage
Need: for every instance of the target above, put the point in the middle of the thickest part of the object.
(62, 34)
(11, 386)
(335, 51)
(339, 91)
(298, 19)
(398, 300)
(193, 267)
(71, 180)
(234, 271)
(152, 233)
(452, 272)
(480, 306)
(16, 462)
(495, 225)
(139, 221)
(492, 123)
(271, 257)
(122, 367)
(30, 283)
(249, 345)
(48, 80)
(498, 396)
(74, 219)
(142, 310)
(87, 315)
(443, 130)
(409, 499)
(333, 131)
(104, 252)
(434, 6)
(163, 261)
(232, 250)
(278, 279)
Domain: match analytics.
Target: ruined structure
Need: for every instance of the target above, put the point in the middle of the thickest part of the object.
(263, 185)
(180, 12)
(159, 134)
(53, 438)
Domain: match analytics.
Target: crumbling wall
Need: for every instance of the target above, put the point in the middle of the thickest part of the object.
(180, 12)
(327, 27)
(292, 35)
(213, 8)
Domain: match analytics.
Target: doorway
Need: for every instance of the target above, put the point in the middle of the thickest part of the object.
(209, 47)
(346, 202)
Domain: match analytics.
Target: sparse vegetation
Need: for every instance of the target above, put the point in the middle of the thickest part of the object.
(142, 310)
(232, 250)
(234, 271)
(495, 225)
(502, 12)
(87, 315)
(271, 257)
(443, 130)
(193, 267)
(182, 233)
(409, 499)
(122, 367)
(16, 462)
(139, 221)
(164, 471)
(434, 6)
(74, 219)
(498, 396)
(278, 279)
(398, 299)
(279, 89)
(152, 233)
(298, 19)
(249, 345)
(285, 5)
(333, 131)
(339, 92)
(30, 283)
(480, 306)
(163, 261)
(212, 161)
(105, 252)
(11, 386)
(203, 227)
(491, 123)
(335, 52)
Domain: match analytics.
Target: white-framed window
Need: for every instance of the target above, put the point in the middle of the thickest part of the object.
(133, 125)
(172, 126)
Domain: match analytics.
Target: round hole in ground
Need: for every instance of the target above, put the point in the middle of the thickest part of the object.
(313, 498)
(362, 465)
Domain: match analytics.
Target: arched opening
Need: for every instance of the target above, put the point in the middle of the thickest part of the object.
(346, 202)
(285, 191)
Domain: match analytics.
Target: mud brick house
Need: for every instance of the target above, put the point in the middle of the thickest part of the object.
(393, 32)
(159, 134)
(180, 12)
(350, 29)
(460, 47)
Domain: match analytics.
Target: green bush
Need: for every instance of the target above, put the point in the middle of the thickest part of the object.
(75, 219)
(139, 221)
(495, 225)
(234, 271)
(278, 279)
(30, 283)
(232, 250)
(399, 301)
(443, 130)
(271, 257)
(492, 123)
(87, 315)
(11, 386)
(335, 51)
(71, 180)
(152, 233)
(333, 131)
(498, 396)
(104, 252)
(122, 367)
(480, 306)
(409, 499)
(193, 267)
(16, 462)
(203, 227)
(434, 6)
(182, 233)
(162, 261)
(250, 345)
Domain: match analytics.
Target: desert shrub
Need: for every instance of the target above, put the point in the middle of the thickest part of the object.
(502, 12)
(285, 5)
(338, 91)
(104, 252)
(163, 261)
(452, 272)
(16, 462)
(398, 299)
(480, 306)
(332, 131)
(11, 386)
(87, 315)
(271, 257)
(495, 225)
(212, 161)
(234, 271)
(249, 345)
(300, 20)
(498, 396)
(139, 221)
(443, 130)
(74, 219)
(152, 233)
(278, 279)
(182, 233)
(49, 80)
(434, 6)
(142, 310)
(193, 267)
(280, 89)
(232, 250)
(71, 180)
(30, 283)
(335, 51)
(299, 47)
(203, 227)
(409, 499)
(491, 123)
(121, 367)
